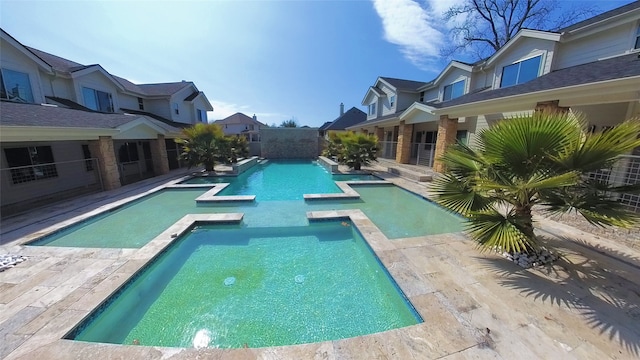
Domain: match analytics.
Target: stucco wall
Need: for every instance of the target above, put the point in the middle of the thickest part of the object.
(289, 143)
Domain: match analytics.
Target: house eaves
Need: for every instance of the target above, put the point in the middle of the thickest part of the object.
(417, 109)
(401, 84)
(603, 21)
(96, 68)
(372, 90)
(443, 73)
(621, 70)
(524, 33)
(384, 120)
(10, 133)
(45, 66)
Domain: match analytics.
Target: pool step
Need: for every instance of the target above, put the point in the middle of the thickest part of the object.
(408, 174)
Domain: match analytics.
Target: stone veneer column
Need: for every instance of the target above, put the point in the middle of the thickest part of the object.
(379, 133)
(403, 150)
(103, 150)
(159, 156)
(551, 107)
(447, 129)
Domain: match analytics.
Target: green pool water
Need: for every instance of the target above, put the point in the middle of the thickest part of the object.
(230, 286)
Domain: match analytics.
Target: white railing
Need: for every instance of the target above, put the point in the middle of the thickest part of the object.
(626, 171)
(423, 153)
(43, 183)
(387, 149)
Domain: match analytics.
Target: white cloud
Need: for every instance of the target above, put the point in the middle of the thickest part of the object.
(223, 109)
(411, 27)
(417, 29)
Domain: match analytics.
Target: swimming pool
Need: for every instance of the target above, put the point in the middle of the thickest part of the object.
(281, 180)
(269, 286)
(397, 212)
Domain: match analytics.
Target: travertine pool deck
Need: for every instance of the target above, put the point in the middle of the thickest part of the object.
(474, 305)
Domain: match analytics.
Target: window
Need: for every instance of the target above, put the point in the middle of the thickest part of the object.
(202, 115)
(97, 100)
(32, 163)
(128, 152)
(372, 109)
(421, 96)
(392, 101)
(176, 109)
(521, 72)
(88, 163)
(461, 135)
(140, 104)
(453, 91)
(637, 46)
(15, 86)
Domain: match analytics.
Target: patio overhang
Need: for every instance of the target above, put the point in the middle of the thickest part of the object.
(418, 113)
(46, 133)
(603, 92)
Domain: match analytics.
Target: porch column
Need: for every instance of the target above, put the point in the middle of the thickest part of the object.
(403, 153)
(551, 107)
(379, 131)
(447, 129)
(103, 150)
(159, 156)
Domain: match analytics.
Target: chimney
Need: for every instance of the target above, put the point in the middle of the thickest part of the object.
(341, 109)
(255, 118)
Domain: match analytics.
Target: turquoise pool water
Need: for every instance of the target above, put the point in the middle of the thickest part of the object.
(281, 180)
(227, 286)
(398, 213)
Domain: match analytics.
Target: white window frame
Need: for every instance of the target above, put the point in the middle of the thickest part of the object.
(636, 39)
(97, 102)
(392, 101)
(444, 90)
(519, 63)
(8, 88)
(175, 109)
(372, 109)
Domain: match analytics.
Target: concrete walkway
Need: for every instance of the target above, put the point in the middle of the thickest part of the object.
(474, 305)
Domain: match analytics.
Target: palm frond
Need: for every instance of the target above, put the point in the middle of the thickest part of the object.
(493, 230)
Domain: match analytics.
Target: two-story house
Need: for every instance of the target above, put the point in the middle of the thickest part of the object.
(242, 125)
(591, 67)
(68, 128)
(346, 119)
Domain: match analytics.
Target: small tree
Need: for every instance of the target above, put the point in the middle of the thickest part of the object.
(232, 148)
(353, 150)
(534, 160)
(201, 145)
(291, 123)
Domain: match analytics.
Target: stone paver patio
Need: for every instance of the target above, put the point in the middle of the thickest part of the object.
(474, 305)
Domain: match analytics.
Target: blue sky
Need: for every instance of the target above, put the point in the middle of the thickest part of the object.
(275, 59)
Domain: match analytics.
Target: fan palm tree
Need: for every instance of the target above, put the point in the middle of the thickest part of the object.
(202, 145)
(542, 159)
(353, 149)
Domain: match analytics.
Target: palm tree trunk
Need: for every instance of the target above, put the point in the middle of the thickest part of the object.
(523, 213)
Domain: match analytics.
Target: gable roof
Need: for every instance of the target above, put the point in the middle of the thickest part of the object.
(67, 66)
(402, 84)
(23, 114)
(324, 126)
(238, 118)
(610, 69)
(351, 117)
(605, 15)
(161, 89)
